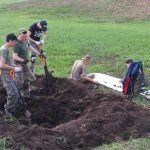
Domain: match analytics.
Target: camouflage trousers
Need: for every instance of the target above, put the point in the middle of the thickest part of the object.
(26, 75)
(12, 93)
(137, 85)
(33, 55)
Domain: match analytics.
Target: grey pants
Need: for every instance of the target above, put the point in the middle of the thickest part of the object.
(25, 75)
(33, 55)
(12, 93)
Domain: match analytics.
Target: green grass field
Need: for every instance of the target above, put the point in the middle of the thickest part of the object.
(3, 2)
(70, 37)
(110, 44)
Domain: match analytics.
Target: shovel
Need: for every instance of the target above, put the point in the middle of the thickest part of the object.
(21, 100)
(49, 76)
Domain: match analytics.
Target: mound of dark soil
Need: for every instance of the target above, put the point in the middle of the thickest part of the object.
(74, 116)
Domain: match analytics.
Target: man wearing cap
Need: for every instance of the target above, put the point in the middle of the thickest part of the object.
(6, 67)
(79, 69)
(20, 56)
(34, 36)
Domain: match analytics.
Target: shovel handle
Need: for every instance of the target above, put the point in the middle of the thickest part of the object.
(40, 46)
(43, 60)
(12, 74)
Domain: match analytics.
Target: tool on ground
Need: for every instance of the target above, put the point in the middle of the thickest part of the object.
(48, 75)
(146, 94)
(21, 100)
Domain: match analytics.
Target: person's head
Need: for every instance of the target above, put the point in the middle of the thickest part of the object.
(42, 25)
(22, 34)
(128, 62)
(11, 39)
(86, 59)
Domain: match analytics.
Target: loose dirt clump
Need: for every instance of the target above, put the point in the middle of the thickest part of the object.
(73, 115)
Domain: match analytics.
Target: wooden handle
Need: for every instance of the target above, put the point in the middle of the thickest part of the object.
(12, 73)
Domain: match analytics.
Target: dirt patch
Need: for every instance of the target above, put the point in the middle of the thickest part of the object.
(75, 116)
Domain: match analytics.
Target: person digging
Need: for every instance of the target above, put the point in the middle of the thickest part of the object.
(34, 36)
(20, 57)
(6, 67)
(79, 71)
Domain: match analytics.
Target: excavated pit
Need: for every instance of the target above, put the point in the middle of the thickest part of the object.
(73, 115)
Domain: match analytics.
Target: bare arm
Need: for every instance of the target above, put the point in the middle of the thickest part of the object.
(4, 65)
(85, 77)
(89, 79)
(44, 36)
(32, 49)
(17, 58)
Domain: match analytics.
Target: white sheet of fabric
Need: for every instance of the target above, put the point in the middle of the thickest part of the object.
(146, 94)
(109, 81)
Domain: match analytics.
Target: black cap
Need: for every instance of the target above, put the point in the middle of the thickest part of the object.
(43, 23)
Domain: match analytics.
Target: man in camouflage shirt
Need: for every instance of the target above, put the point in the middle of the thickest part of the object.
(6, 67)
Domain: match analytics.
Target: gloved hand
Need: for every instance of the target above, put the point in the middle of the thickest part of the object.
(42, 56)
(33, 57)
(43, 52)
(42, 41)
(17, 69)
(25, 61)
(37, 42)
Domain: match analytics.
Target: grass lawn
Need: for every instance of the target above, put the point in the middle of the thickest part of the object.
(69, 38)
(3, 2)
(133, 144)
(110, 44)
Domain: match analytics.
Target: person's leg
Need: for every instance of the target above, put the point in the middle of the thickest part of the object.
(137, 85)
(33, 56)
(29, 76)
(19, 78)
(12, 95)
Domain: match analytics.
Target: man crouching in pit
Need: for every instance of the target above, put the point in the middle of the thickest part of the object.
(20, 56)
(79, 71)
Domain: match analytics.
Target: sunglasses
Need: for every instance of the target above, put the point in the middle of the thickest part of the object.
(24, 32)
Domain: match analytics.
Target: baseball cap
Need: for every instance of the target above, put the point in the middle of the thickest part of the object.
(22, 30)
(43, 23)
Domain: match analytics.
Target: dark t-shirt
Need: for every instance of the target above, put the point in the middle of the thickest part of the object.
(35, 32)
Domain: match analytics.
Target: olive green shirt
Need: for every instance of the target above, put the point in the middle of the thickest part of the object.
(21, 48)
